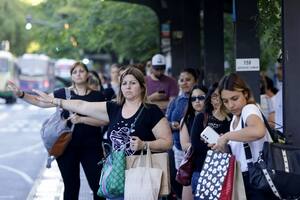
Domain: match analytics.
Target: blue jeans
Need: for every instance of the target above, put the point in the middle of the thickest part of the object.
(195, 178)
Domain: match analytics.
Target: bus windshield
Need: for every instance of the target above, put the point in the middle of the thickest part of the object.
(33, 67)
(3, 65)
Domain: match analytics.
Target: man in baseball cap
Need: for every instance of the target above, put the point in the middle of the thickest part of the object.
(160, 87)
(158, 65)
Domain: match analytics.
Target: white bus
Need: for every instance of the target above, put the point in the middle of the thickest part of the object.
(37, 72)
(8, 71)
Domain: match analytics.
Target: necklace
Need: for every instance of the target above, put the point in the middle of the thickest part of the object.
(77, 92)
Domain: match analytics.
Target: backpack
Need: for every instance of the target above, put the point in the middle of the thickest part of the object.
(55, 133)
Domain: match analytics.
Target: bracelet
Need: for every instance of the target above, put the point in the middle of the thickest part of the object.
(145, 146)
(22, 95)
(56, 102)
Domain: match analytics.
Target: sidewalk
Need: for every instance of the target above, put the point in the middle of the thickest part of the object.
(49, 186)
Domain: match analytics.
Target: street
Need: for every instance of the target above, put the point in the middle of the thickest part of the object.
(22, 155)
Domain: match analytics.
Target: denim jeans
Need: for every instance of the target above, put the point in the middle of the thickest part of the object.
(195, 178)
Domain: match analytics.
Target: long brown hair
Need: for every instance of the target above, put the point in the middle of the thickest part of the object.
(140, 78)
(233, 82)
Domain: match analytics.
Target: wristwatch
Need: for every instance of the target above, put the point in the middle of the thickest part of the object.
(145, 146)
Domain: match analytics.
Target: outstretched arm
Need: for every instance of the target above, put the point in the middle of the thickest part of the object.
(93, 109)
(31, 99)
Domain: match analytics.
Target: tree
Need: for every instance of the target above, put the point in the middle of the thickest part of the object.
(12, 25)
(127, 30)
(269, 31)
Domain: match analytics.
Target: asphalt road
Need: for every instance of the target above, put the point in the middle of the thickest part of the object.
(22, 155)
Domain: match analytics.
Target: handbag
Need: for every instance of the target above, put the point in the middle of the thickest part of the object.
(112, 179)
(159, 160)
(55, 133)
(185, 170)
(212, 175)
(143, 182)
(277, 168)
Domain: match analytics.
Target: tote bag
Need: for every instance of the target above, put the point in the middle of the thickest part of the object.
(159, 160)
(142, 182)
(277, 168)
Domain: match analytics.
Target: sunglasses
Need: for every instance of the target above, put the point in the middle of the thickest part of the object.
(200, 98)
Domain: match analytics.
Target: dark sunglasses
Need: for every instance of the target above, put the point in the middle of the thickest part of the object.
(200, 98)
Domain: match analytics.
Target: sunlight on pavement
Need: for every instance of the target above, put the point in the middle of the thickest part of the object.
(49, 186)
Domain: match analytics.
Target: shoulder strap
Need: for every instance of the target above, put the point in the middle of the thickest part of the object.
(68, 97)
(247, 149)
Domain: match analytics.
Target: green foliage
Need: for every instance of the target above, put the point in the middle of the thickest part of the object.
(12, 25)
(127, 30)
(269, 31)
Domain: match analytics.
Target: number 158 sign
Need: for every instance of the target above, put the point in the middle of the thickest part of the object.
(247, 64)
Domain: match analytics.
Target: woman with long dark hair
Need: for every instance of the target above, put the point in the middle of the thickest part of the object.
(195, 105)
(216, 117)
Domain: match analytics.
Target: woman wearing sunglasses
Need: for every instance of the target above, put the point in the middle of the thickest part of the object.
(216, 117)
(195, 106)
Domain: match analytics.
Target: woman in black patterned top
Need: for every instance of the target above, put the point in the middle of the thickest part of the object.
(151, 128)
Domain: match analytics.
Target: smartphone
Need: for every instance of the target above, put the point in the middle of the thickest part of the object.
(209, 135)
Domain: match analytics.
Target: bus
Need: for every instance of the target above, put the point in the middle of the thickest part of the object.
(63, 67)
(37, 72)
(9, 70)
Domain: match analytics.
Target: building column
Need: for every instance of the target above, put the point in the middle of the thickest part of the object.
(247, 43)
(291, 70)
(213, 40)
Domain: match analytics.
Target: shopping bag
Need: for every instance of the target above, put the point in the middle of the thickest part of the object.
(159, 160)
(227, 187)
(238, 192)
(112, 179)
(142, 182)
(212, 175)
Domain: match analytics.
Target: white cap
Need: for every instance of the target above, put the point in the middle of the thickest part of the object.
(158, 60)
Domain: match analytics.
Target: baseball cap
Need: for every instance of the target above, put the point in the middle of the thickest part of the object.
(158, 61)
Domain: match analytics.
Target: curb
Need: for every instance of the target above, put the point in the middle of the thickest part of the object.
(48, 185)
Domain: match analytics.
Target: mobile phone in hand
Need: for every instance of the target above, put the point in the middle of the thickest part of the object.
(209, 135)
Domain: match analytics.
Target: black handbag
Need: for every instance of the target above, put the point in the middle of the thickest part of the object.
(277, 168)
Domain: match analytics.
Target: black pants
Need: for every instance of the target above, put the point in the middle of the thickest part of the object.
(256, 194)
(69, 166)
(176, 188)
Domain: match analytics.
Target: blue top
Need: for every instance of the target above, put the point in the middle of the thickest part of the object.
(175, 112)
